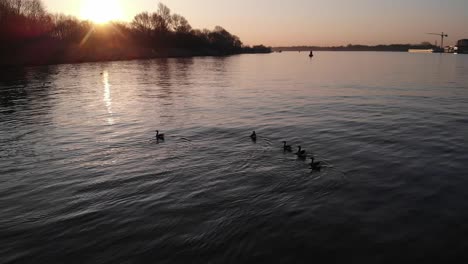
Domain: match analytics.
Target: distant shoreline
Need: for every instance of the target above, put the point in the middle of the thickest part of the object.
(389, 48)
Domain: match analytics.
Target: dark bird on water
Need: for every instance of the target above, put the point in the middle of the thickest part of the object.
(315, 165)
(159, 136)
(301, 153)
(286, 147)
(253, 136)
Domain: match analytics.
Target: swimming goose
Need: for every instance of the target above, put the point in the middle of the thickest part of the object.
(159, 136)
(286, 147)
(301, 153)
(253, 136)
(315, 165)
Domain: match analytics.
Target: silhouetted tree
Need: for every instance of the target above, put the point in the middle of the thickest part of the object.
(29, 35)
(142, 23)
(33, 9)
(69, 29)
(163, 18)
(180, 24)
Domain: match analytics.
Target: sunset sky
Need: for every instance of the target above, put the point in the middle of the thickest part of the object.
(299, 22)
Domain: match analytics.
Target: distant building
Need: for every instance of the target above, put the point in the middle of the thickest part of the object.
(449, 49)
(462, 46)
(421, 51)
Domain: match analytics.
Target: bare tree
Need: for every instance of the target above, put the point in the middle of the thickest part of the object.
(158, 23)
(180, 24)
(165, 13)
(17, 5)
(142, 22)
(33, 9)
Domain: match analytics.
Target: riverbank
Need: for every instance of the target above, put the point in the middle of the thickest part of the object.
(49, 54)
(41, 38)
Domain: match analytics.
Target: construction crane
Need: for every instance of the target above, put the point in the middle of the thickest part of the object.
(442, 36)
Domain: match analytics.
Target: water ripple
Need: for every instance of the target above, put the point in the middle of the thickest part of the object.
(82, 178)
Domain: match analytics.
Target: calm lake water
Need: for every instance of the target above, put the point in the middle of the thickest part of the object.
(82, 179)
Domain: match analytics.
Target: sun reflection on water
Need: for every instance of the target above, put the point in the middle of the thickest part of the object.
(108, 97)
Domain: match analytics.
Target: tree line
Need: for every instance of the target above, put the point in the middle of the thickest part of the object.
(31, 35)
(351, 47)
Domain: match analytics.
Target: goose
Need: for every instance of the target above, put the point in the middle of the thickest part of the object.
(286, 147)
(301, 153)
(253, 136)
(159, 136)
(315, 165)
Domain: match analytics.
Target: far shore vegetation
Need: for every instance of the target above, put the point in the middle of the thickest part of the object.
(30, 35)
(351, 47)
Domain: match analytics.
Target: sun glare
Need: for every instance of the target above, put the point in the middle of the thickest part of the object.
(101, 11)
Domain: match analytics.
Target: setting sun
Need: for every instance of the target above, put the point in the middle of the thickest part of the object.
(101, 11)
